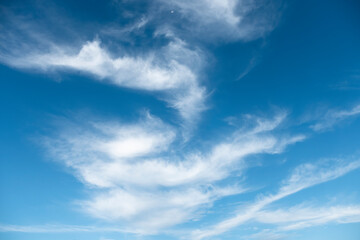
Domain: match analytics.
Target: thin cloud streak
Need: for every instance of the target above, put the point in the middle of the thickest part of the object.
(334, 117)
(304, 176)
(303, 217)
(288, 220)
(223, 20)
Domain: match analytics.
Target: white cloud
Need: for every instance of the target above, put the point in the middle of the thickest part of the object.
(137, 173)
(210, 11)
(288, 220)
(227, 20)
(302, 216)
(333, 117)
(150, 211)
(307, 175)
(130, 141)
(140, 175)
(171, 70)
(133, 72)
(104, 157)
(303, 177)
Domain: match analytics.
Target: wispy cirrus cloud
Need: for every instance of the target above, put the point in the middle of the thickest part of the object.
(140, 174)
(170, 71)
(285, 220)
(289, 220)
(137, 174)
(304, 176)
(224, 20)
(333, 117)
(307, 216)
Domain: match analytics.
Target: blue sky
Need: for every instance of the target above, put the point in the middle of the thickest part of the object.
(169, 119)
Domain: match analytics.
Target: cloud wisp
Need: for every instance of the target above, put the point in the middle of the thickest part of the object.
(333, 117)
(288, 220)
(172, 71)
(223, 20)
(147, 177)
(166, 72)
(284, 219)
(301, 216)
(304, 176)
(141, 176)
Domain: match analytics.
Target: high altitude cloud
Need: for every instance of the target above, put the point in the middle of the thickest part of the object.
(226, 20)
(142, 175)
(159, 210)
(306, 216)
(333, 117)
(171, 70)
(139, 175)
(287, 220)
(304, 176)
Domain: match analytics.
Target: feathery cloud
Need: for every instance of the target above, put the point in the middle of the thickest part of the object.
(304, 176)
(303, 216)
(140, 170)
(171, 71)
(225, 20)
(333, 117)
